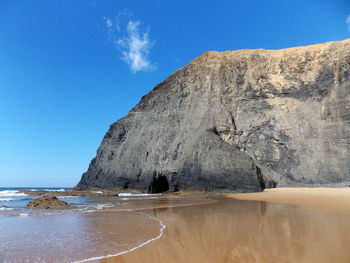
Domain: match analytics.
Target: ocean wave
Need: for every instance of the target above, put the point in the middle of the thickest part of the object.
(135, 194)
(14, 199)
(6, 199)
(54, 190)
(11, 193)
(47, 190)
(4, 208)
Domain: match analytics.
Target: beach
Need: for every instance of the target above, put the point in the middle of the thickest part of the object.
(274, 226)
(336, 200)
(98, 226)
(277, 225)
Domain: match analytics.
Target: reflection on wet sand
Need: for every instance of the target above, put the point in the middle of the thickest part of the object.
(246, 231)
(72, 237)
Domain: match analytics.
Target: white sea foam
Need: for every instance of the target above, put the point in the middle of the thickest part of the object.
(11, 193)
(67, 197)
(162, 227)
(3, 208)
(103, 206)
(54, 190)
(6, 199)
(48, 190)
(136, 194)
(23, 215)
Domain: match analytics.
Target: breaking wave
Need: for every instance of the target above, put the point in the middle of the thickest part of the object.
(11, 193)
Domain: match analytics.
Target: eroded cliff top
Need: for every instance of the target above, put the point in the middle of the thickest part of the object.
(299, 50)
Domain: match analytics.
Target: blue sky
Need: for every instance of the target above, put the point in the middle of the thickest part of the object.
(69, 69)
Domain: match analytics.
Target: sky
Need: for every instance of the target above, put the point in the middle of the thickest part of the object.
(69, 69)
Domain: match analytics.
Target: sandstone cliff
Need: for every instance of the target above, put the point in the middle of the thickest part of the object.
(236, 120)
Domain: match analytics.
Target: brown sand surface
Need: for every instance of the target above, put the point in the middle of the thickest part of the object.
(233, 230)
(326, 199)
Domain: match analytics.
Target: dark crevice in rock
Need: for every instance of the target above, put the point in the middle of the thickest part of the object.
(234, 126)
(260, 178)
(219, 133)
(263, 181)
(121, 136)
(215, 131)
(271, 184)
(176, 152)
(111, 156)
(177, 186)
(138, 177)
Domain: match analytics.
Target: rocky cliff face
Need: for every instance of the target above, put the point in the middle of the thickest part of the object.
(236, 120)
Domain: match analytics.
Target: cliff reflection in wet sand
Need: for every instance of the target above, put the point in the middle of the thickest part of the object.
(246, 231)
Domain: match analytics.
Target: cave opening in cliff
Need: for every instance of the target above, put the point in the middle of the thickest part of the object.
(159, 184)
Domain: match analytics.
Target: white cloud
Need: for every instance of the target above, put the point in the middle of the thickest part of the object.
(112, 28)
(133, 41)
(348, 21)
(109, 23)
(136, 47)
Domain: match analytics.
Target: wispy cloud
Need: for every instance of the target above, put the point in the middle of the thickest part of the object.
(348, 21)
(132, 39)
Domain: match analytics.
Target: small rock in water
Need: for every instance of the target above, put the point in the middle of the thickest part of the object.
(48, 202)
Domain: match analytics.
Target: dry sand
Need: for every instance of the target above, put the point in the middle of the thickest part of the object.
(326, 199)
(233, 230)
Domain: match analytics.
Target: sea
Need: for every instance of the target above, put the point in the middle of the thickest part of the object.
(99, 227)
(87, 233)
(13, 201)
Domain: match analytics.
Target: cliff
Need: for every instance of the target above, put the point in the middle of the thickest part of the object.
(236, 120)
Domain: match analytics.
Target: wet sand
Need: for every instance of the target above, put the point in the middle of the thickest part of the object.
(72, 237)
(233, 230)
(83, 234)
(199, 228)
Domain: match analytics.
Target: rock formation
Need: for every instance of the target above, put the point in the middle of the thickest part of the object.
(236, 120)
(48, 202)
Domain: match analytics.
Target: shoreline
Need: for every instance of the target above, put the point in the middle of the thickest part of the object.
(161, 231)
(233, 227)
(105, 232)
